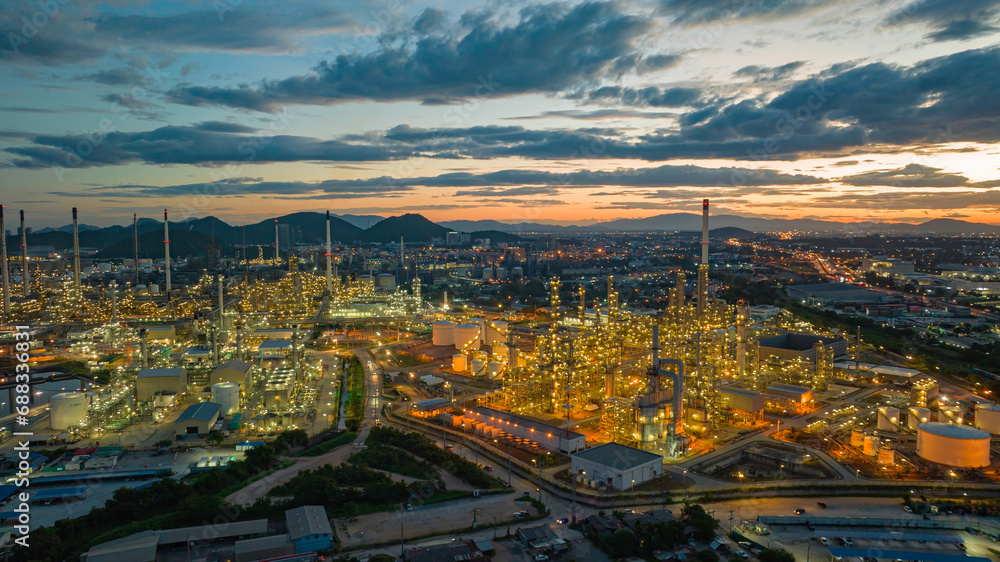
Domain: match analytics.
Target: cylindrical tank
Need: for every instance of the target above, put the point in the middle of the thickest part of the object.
(478, 367)
(988, 418)
(228, 395)
(104, 267)
(443, 332)
(500, 273)
(857, 438)
(887, 455)
(517, 272)
(154, 288)
(385, 281)
(67, 410)
(497, 332)
(467, 336)
(487, 273)
(953, 445)
(888, 418)
(870, 446)
(917, 417)
(164, 399)
(952, 414)
(495, 369)
(460, 363)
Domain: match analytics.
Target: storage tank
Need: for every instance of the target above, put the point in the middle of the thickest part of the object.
(500, 273)
(952, 414)
(497, 333)
(888, 418)
(228, 395)
(154, 288)
(487, 273)
(517, 272)
(917, 417)
(478, 367)
(887, 455)
(870, 446)
(104, 267)
(953, 445)
(988, 418)
(467, 336)
(495, 369)
(857, 438)
(385, 281)
(443, 332)
(67, 410)
(460, 363)
(164, 399)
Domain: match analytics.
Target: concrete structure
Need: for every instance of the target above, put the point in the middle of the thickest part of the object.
(988, 418)
(883, 265)
(235, 371)
(443, 332)
(309, 528)
(489, 421)
(791, 346)
(741, 399)
(68, 409)
(616, 466)
(149, 382)
(953, 445)
(829, 293)
(271, 348)
(227, 395)
(197, 419)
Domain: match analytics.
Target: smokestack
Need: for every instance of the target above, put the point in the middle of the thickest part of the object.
(114, 300)
(6, 273)
(704, 232)
(76, 251)
(143, 356)
(166, 248)
(277, 248)
(329, 258)
(656, 347)
(402, 260)
(703, 266)
(135, 244)
(222, 319)
(25, 274)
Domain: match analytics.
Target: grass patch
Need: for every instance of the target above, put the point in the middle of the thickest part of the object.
(330, 444)
(394, 460)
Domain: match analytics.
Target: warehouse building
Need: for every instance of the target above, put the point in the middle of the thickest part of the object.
(198, 419)
(234, 371)
(616, 466)
(742, 400)
(791, 346)
(493, 422)
(309, 528)
(150, 382)
(829, 293)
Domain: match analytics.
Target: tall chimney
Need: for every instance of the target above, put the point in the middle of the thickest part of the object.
(221, 305)
(143, 355)
(329, 258)
(76, 251)
(135, 244)
(6, 273)
(114, 300)
(277, 248)
(703, 266)
(166, 249)
(25, 274)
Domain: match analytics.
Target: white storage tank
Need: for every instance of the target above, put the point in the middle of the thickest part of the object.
(870, 446)
(917, 417)
(385, 281)
(443, 332)
(104, 267)
(228, 395)
(517, 272)
(154, 288)
(495, 369)
(164, 399)
(953, 445)
(988, 418)
(67, 410)
(888, 418)
(952, 414)
(887, 455)
(500, 273)
(487, 273)
(460, 363)
(467, 336)
(478, 367)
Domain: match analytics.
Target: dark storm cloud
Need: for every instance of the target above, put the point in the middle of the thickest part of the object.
(903, 200)
(914, 175)
(693, 12)
(243, 186)
(645, 97)
(550, 49)
(950, 19)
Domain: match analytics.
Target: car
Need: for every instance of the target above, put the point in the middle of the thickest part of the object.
(541, 557)
(848, 542)
(488, 468)
(821, 504)
(562, 521)
(994, 538)
(745, 544)
(799, 511)
(451, 447)
(823, 541)
(961, 546)
(409, 507)
(626, 511)
(907, 509)
(971, 531)
(742, 554)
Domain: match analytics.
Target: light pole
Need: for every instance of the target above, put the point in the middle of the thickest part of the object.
(539, 468)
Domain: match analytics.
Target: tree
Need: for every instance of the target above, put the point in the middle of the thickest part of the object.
(705, 556)
(775, 555)
(163, 443)
(704, 524)
(215, 438)
(352, 424)
(622, 543)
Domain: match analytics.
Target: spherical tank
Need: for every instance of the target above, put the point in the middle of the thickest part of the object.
(953, 445)
(460, 363)
(67, 409)
(870, 446)
(467, 336)
(443, 333)
(226, 394)
(988, 418)
(917, 417)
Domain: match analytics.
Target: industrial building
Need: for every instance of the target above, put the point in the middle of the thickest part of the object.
(235, 371)
(805, 347)
(742, 400)
(141, 547)
(309, 528)
(490, 421)
(197, 419)
(830, 293)
(616, 466)
(953, 445)
(150, 382)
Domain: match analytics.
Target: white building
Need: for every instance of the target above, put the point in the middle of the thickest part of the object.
(616, 466)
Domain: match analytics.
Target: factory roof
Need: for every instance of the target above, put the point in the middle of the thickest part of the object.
(430, 403)
(6, 491)
(617, 456)
(307, 520)
(140, 547)
(780, 386)
(275, 344)
(250, 546)
(953, 431)
(914, 555)
(60, 493)
(160, 372)
(236, 365)
(231, 529)
(820, 288)
(739, 391)
(202, 411)
(501, 417)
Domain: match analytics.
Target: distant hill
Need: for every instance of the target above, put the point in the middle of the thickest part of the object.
(728, 232)
(410, 226)
(496, 236)
(68, 228)
(182, 243)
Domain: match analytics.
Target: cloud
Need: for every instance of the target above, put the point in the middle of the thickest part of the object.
(695, 12)
(768, 73)
(551, 48)
(950, 19)
(244, 186)
(914, 175)
(645, 97)
(988, 199)
(124, 76)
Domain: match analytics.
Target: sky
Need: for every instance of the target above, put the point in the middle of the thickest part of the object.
(565, 112)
